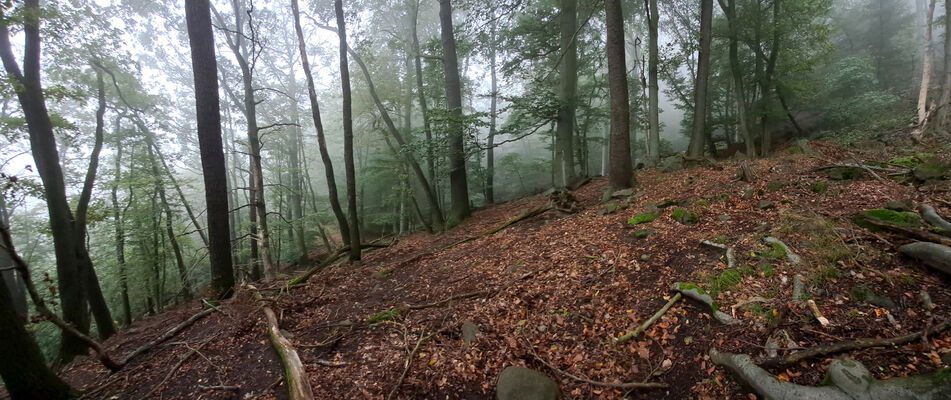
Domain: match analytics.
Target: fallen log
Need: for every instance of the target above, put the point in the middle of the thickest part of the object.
(933, 255)
(850, 345)
(914, 233)
(298, 387)
(931, 216)
(167, 335)
(650, 321)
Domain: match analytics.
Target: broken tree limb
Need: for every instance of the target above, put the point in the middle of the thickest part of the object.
(298, 386)
(167, 335)
(627, 385)
(730, 258)
(931, 216)
(815, 312)
(506, 224)
(857, 344)
(914, 233)
(650, 321)
(693, 291)
(933, 255)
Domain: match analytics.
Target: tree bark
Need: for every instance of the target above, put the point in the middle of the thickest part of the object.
(321, 141)
(563, 165)
(10, 277)
(699, 131)
(945, 101)
(729, 9)
(458, 185)
(620, 171)
(118, 220)
(348, 133)
(653, 138)
(46, 158)
(493, 114)
(424, 109)
(169, 231)
(204, 66)
(926, 64)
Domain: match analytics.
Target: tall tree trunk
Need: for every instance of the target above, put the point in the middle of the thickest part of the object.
(458, 186)
(653, 138)
(620, 172)
(321, 141)
(297, 187)
(117, 216)
(729, 9)
(204, 66)
(945, 102)
(169, 231)
(699, 131)
(10, 276)
(424, 109)
(563, 166)
(348, 134)
(766, 83)
(926, 64)
(493, 114)
(69, 253)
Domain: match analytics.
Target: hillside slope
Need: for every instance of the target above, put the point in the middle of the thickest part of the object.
(558, 288)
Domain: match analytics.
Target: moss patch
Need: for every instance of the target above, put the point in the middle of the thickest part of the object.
(685, 217)
(388, 315)
(642, 219)
(775, 252)
(906, 219)
(820, 187)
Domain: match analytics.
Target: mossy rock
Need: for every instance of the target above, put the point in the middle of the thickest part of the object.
(776, 252)
(863, 293)
(845, 173)
(643, 233)
(900, 218)
(642, 219)
(932, 170)
(820, 187)
(667, 203)
(685, 216)
(611, 208)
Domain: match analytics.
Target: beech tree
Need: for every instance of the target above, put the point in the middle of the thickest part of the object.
(620, 170)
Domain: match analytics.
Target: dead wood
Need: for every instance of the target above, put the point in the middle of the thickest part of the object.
(746, 173)
(167, 335)
(626, 385)
(650, 321)
(857, 344)
(914, 233)
(298, 386)
(177, 366)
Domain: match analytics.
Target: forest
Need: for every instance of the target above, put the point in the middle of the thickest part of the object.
(467, 199)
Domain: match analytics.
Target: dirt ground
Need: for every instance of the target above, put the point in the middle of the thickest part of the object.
(561, 287)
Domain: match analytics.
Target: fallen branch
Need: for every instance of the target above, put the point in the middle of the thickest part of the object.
(453, 298)
(168, 335)
(857, 344)
(298, 386)
(919, 234)
(650, 321)
(41, 307)
(506, 224)
(815, 312)
(177, 366)
(627, 385)
(931, 216)
(409, 361)
(220, 387)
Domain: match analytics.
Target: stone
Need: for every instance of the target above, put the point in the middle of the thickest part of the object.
(645, 257)
(623, 193)
(933, 255)
(685, 216)
(520, 383)
(724, 218)
(542, 328)
(850, 377)
(469, 332)
(898, 205)
(748, 193)
(672, 163)
(845, 173)
(932, 170)
(862, 293)
(765, 205)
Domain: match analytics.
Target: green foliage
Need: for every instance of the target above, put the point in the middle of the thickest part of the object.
(775, 252)
(825, 273)
(382, 316)
(820, 187)
(726, 280)
(642, 219)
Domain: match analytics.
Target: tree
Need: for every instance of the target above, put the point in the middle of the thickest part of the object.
(736, 69)
(208, 112)
(458, 186)
(945, 101)
(653, 59)
(321, 140)
(926, 64)
(620, 171)
(348, 134)
(695, 149)
(493, 111)
(564, 168)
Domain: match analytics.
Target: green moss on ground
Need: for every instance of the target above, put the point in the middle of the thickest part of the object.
(685, 217)
(642, 219)
(900, 218)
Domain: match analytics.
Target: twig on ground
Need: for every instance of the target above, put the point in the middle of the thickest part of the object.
(626, 385)
(650, 321)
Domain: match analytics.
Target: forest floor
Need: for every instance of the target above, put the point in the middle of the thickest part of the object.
(561, 287)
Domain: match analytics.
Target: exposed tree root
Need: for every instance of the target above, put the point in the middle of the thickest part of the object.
(933, 255)
(298, 386)
(167, 335)
(857, 344)
(626, 385)
(650, 321)
(692, 291)
(914, 233)
(931, 216)
(795, 259)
